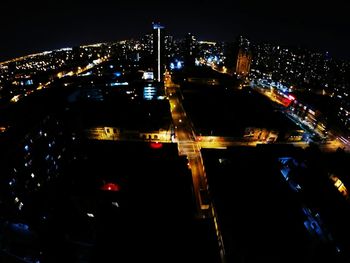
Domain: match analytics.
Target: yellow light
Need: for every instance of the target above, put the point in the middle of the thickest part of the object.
(342, 189)
(15, 98)
(338, 183)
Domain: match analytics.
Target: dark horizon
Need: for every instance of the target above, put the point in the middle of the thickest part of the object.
(35, 27)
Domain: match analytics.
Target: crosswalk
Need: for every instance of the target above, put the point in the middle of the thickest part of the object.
(188, 148)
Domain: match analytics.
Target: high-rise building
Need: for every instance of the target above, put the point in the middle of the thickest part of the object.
(158, 51)
(147, 43)
(244, 60)
(190, 50)
(238, 57)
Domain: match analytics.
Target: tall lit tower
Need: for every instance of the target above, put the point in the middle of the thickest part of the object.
(158, 51)
(244, 57)
(190, 50)
(244, 60)
(239, 57)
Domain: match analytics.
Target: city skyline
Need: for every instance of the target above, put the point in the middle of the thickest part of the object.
(238, 150)
(36, 27)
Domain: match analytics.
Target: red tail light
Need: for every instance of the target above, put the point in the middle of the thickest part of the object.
(110, 187)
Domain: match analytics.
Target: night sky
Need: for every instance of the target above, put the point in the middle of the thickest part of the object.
(35, 26)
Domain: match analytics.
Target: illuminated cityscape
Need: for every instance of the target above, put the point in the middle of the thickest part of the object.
(167, 147)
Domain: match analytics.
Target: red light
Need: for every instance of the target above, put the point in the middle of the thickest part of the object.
(156, 145)
(111, 187)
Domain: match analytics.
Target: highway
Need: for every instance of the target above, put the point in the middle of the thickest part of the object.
(188, 146)
(334, 140)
